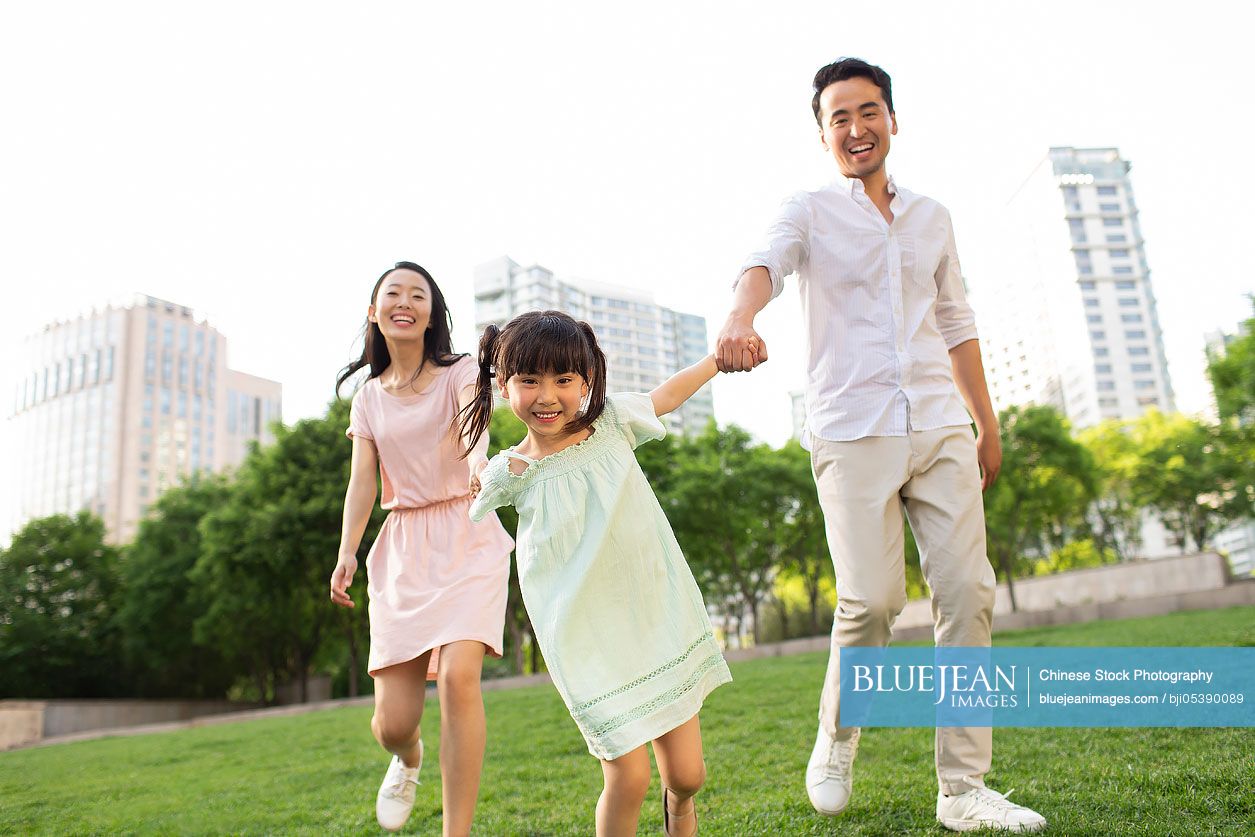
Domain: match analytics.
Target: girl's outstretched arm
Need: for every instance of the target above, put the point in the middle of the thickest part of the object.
(680, 387)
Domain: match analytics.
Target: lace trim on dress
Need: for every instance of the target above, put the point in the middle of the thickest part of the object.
(582, 709)
(672, 695)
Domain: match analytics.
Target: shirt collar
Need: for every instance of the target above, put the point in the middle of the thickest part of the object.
(853, 185)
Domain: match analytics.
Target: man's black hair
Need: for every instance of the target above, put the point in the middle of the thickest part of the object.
(846, 68)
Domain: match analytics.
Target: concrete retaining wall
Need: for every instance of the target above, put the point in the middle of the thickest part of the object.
(1097, 585)
(25, 722)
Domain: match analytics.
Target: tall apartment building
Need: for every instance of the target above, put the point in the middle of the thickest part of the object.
(1071, 319)
(115, 406)
(644, 342)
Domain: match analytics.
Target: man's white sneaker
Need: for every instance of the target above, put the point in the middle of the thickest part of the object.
(830, 773)
(985, 808)
(396, 794)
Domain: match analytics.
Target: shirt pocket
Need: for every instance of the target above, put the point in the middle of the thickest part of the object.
(922, 255)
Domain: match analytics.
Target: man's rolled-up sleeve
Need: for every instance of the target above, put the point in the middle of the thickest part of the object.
(786, 245)
(955, 318)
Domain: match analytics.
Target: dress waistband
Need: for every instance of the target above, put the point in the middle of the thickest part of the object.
(465, 499)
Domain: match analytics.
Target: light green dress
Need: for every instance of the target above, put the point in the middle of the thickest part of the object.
(614, 606)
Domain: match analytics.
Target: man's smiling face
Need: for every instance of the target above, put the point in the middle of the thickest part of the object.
(855, 125)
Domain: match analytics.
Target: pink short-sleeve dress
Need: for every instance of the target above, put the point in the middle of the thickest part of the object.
(433, 575)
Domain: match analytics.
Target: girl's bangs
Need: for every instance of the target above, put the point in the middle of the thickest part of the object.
(554, 348)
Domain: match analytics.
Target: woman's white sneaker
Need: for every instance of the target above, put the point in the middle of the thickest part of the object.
(985, 808)
(396, 794)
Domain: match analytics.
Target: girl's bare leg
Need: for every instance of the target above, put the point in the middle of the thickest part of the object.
(626, 783)
(683, 772)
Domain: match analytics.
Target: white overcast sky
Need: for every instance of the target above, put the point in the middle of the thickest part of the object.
(263, 162)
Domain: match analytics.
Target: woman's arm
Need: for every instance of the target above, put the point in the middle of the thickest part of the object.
(359, 501)
(477, 459)
(680, 387)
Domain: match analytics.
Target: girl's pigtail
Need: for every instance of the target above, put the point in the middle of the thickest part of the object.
(474, 419)
(597, 386)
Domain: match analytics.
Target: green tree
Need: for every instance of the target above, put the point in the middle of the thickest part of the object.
(1196, 476)
(1116, 510)
(158, 611)
(722, 505)
(507, 430)
(1041, 495)
(268, 551)
(1232, 374)
(58, 589)
(802, 542)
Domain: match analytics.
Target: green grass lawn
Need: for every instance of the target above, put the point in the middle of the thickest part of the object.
(318, 773)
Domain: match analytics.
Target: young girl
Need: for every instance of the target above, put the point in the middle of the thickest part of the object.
(615, 609)
(436, 581)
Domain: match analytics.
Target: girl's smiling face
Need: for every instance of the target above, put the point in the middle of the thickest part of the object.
(546, 402)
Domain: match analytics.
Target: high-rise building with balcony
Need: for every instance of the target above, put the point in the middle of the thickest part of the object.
(644, 342)
(1070, 320)
(115, 406)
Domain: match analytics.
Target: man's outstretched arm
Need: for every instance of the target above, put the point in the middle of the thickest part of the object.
(753, 292)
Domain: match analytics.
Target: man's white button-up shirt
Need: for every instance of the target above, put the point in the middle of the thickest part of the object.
(883, 304)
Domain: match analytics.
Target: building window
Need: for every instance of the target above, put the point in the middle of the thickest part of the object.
(1117, 239)
(1148, 401)
(1101, 351)
(1108, 191)
(1113, 222)
(1120, 253)
(167, 335)
(1108, 207)
(1134, 335)
(1143, 384)
(1126, 285)
(1098, 335)
(1091, 302)
(1087, 284)
(1128, 302)
(1102, 368)
(1093, 318)
(1106, 386)
(1138, 351)
(1130, 318)
(1108, 402)
(1142, 367)
(1122, 270)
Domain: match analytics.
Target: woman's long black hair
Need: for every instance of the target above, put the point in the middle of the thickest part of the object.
(437, 343)
(537, 343)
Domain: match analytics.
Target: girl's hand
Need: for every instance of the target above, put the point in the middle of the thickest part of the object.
(478, 463)
(341, 579)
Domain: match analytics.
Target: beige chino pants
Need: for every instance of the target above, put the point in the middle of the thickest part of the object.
(864, 486)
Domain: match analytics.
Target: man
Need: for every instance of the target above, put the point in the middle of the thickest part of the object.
(890, 346)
